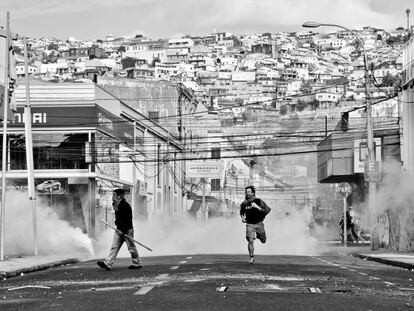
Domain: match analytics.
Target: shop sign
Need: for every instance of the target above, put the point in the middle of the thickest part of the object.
(207, 169)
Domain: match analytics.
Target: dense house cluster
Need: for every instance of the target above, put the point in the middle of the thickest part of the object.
(302, 71)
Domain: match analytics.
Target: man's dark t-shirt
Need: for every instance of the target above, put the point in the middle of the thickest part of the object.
(253, 215)
(123, 216)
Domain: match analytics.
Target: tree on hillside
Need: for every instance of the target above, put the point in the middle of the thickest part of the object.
(283, 110)
(391, 80)
(301, 105)
(305, 87)
(52, 57)
(53, 46)
(128, 62)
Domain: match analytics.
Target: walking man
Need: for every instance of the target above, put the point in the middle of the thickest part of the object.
(123, 222)
(252, 212)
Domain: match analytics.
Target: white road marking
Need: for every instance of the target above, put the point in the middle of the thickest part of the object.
(374, 278)
(222, 288)
(29, 286)
(109, 288)
(182, 262)
(389, 283)
(406, 288)
(174, 267)
(314, 290)
(143, 290)
(188, 257)
(194, 280)
(362, 273)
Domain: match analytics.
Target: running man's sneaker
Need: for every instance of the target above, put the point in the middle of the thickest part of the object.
(103, 265)
(251, 260)
(133, 267)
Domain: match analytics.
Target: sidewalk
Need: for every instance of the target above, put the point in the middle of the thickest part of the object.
(393, 258)
(386, 256)
(16, 265)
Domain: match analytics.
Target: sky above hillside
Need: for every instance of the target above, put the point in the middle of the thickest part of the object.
(94, 19)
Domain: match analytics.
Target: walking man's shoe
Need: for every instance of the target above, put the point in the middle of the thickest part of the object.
(133, 267)
(103, 265)
(251, 260)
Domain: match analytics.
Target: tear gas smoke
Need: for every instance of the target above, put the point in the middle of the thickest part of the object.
(394, 206)
(54, 236)
(182, 234)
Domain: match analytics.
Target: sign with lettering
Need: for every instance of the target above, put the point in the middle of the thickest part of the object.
(344, 189)
(372, 171)
(361, 153)
(206, 169)
(93, 117)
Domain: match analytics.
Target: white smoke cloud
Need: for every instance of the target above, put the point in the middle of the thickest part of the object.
(54, 236)
(182, 234)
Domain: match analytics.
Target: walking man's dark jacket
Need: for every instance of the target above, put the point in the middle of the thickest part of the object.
(123, 216)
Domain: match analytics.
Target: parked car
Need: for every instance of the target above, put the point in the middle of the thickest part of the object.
(49, 186)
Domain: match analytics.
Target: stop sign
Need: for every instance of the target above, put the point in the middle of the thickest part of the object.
(344, 189)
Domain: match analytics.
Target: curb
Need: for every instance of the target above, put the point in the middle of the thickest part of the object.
(9, 274)
(394, 263)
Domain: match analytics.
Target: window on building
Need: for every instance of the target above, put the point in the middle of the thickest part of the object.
(154, 116)
(215, 184)
(215, 153)
(58, 150)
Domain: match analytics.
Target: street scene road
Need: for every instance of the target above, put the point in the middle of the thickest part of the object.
(206, 155)
(215, 282)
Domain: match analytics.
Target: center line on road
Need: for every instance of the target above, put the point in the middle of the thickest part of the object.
(143, 290)
(182, 262)
(174, 267)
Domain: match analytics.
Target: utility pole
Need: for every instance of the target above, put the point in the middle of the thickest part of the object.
(408, 20)
(29, 148)
(180, 112)
(4, 151)
(371, 173)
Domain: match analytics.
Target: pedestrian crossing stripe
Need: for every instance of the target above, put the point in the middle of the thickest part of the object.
(143, 290)
(222, 288)
(314, 290)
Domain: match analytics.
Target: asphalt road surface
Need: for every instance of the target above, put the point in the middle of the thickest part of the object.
(215, 282)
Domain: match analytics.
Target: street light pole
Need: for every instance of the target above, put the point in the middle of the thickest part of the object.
(370, 133)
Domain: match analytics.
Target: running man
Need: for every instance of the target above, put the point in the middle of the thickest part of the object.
(252, 212)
